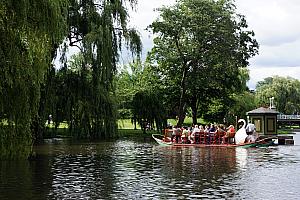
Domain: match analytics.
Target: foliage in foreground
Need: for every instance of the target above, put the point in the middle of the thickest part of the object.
(30, 34)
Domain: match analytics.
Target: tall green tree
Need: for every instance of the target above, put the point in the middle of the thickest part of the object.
(227, 107)
(140, 94)
(97, 28)
(286, 93)
(148, 110)
(131, 79)
(200, 46)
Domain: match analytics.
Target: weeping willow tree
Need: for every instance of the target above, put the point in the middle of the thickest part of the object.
(98, 29)
(84, 94)
(29, 33)
(147, 109)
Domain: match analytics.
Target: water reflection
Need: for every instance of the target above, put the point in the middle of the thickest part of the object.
(132, 169)
(241, 157)
(24, 180)
(200, 171)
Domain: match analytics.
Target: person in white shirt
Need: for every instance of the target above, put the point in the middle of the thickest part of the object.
(251, 132)
(195, 130)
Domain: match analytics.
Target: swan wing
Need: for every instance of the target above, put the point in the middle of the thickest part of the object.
(240, 136)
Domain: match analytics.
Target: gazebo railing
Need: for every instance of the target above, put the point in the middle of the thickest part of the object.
(281, 116)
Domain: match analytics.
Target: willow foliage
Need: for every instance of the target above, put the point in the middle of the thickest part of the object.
(30, 33)
(147, 108)
(29, 30)
(98, 28)
(141, 95)
(285, 90)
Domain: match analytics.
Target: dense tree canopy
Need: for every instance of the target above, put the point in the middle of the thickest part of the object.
(199, 48)
(286, 93)
(140, 95)
(30, 34)
(97, 29)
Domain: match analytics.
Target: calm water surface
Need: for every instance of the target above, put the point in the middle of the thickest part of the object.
(131, 169)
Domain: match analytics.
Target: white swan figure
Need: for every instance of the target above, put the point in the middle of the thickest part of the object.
(241, 134)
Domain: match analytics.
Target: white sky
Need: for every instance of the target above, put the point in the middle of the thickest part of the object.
(276, 24)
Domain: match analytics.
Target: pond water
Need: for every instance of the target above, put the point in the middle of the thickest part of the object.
(140, 169)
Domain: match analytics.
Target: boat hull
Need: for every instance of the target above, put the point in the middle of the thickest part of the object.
(244, 145)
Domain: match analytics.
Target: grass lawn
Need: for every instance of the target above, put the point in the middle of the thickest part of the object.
(126, 123)
(125, 128)
(279, 131)
(188, 121)
(135, 133)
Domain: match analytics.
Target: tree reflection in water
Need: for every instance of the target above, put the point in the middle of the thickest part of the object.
(133, 169)
(203, 170)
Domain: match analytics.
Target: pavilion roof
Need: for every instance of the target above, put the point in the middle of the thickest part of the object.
(263, 110)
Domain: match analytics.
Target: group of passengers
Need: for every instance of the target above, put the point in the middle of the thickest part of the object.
(209, 134)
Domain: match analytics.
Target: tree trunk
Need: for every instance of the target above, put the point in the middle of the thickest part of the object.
(194, 109)
(134, 121)
(181, 110)
(181, 116)
(37, 130)
(182, 101)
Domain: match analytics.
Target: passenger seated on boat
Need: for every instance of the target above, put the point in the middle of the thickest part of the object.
(173, 133)
(176, 133)
(195, 134)
(219, 134)
(202, 135)
(185, 135)
(206, 132)
(211, 134)
(168, 134)
(229, 135)
(251, 132)
(206, 129)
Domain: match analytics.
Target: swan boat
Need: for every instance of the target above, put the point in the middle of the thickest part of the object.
(161, 140)
(239, 139)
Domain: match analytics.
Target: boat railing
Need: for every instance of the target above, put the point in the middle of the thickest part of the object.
(202, 137)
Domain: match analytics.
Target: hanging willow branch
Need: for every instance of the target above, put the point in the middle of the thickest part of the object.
(29, 30)
(97, 28)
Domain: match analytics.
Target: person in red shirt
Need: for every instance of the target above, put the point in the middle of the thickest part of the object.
(229, 134)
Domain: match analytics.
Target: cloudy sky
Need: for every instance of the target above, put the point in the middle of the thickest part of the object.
(276, 24)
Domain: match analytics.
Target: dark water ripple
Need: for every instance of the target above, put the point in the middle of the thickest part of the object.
(128, 169)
